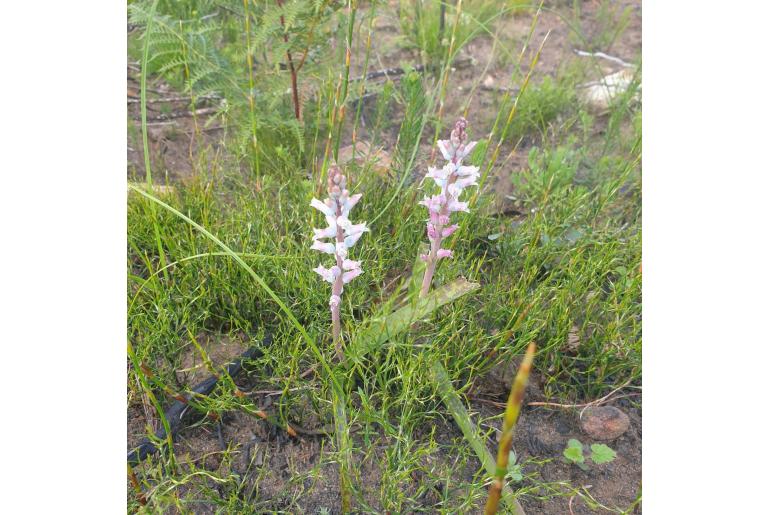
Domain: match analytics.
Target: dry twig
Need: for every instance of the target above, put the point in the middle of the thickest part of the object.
(602, 55)
(584, 405)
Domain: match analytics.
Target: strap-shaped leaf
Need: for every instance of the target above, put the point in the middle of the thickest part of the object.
(381, 329)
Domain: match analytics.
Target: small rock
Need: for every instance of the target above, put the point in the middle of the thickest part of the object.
(600, 94)
(363, 153)
(604, 422)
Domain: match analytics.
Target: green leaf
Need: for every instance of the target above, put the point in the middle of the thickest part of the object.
(574, 454)
(600, 453)
(514, 472)
(381, 329)
(514, 469)
(418, 270)
(574, 451)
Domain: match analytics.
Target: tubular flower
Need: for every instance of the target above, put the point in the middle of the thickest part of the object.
(452, 178)
(343, 234)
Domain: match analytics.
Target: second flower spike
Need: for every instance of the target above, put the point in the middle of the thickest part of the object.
(452, 179)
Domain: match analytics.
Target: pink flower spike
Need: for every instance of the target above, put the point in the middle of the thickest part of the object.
(447, 231)
(432, 234)
(452, 179)
(464, 171)
(325, 233)
(454, 205)
(334, 301)
(467, 150)
(464, 182)
(329, 274)
(327, 248)
(349, 202)
(352, 239)
(349, 276)
(352, 229)
(341, 250)
(446, 149)
(349, 264)
(328, 211)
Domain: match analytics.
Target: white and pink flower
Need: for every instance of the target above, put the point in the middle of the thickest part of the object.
(452, 178)
(343, 234)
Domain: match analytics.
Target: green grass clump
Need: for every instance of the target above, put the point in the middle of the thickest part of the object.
(428, 24)
(540, 107)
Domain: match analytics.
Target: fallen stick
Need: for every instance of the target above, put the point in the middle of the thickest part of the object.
(134, 100)
(462, 62)
(182, 114)
(596, 402)
(617, 60)
(176, 412)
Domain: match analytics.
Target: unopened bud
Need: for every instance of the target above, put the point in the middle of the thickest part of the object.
(458, 135)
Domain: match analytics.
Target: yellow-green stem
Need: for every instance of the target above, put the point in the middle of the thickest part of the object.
(512, 409)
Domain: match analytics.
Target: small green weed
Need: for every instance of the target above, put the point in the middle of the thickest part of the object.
(600, 453)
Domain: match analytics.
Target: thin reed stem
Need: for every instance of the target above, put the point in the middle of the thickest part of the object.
(252, 107)
(352, 9)
(362, 90)
(143, 92)
(445, 77)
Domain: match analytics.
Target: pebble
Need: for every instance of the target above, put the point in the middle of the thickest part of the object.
(604, 422)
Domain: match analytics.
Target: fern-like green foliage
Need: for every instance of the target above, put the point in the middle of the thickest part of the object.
(415, 103)
(202, 48)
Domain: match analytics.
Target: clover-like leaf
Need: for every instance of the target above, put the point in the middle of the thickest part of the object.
(574, 442)
(600, 453)
(574, 451)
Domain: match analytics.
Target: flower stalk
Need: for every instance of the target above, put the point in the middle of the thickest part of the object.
(452, 178)
(343, 235)
(512, 409)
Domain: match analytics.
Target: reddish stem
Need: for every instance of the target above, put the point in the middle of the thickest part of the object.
(292, 70)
